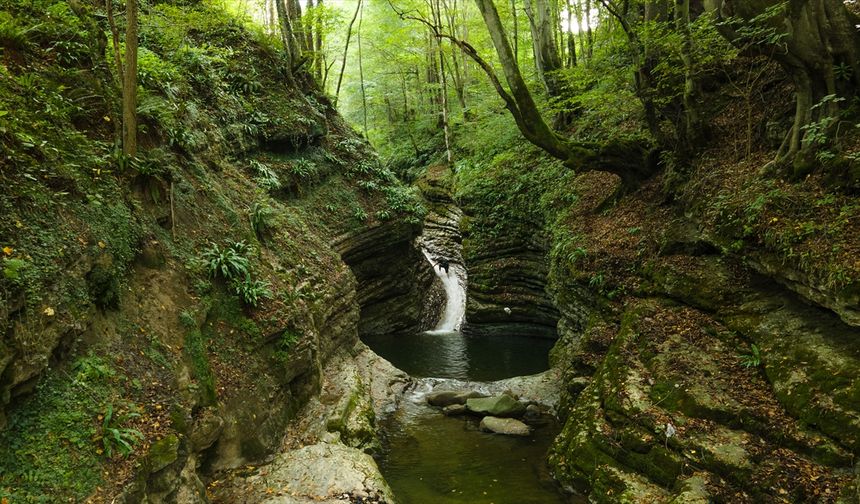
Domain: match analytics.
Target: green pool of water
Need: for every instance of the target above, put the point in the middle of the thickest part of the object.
(452, 355)
(433, 459)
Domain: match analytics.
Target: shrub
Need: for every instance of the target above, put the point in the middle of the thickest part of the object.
(261, 216)
(229, 263)
(116, 438)
(252, 291)
(752, 359)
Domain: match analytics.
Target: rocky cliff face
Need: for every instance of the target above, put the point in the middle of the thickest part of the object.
(393, 279)
(166, 317)
(690, 373)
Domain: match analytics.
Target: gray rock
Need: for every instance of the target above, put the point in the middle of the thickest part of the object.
(498, 406)
(205, 431)
(323, 473)
(454, 410)
(506, 426)
(445, 398)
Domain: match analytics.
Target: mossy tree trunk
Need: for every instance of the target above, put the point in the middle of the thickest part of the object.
(629, 160)
(817, 44)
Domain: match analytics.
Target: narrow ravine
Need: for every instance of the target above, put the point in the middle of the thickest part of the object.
(429, 456)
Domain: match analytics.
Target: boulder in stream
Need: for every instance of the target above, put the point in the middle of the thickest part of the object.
(445, 398)
(498, 406)
(506, 426)
(454, 410)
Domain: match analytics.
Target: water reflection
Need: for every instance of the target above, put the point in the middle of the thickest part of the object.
(443, 354)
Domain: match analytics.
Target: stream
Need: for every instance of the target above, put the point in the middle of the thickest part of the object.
(431, 458)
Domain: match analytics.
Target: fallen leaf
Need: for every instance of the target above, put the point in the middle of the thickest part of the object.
(102, 244)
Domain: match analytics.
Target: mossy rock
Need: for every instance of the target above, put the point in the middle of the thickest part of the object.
(163, 452)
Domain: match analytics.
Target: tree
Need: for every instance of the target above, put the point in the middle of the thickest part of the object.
(631, 161)
(346, 50)
(547, 59)
(129, 85)
(817, 44)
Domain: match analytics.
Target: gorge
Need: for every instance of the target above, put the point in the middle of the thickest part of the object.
(477, 272)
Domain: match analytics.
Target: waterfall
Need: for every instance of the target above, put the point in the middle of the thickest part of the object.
(455, 294)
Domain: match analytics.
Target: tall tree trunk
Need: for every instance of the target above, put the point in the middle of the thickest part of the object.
(446, 129)
(459, 82)
(346, 50)
(691, 127)
(547, 59)
(361, 74)
(294, 9)
(516, 31)
(571, 38)
(589, 38)
(129, 87)
(309, 32)
(318, 45)
(291, 46)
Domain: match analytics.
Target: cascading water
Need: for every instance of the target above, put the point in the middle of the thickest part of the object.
(455, 294)
(429, 457)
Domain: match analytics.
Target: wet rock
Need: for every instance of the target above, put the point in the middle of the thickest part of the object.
(506, 426)
(454, 410)
(324, 473)
(445, 398)
(498, 406)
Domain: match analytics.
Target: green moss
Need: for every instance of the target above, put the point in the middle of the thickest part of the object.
(163, 452)
(196, 351)
(48, 451)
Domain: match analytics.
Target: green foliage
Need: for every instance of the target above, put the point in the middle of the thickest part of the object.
(186, 318)
(817, 132)
(13, 268)
(762, 30)
(196, 350)
(51, 444)
(261, 217)
(752, 359)
(115, 437)
(359, 214)
(251, 291)
(284, 346)
(266, 177)
(229, 263)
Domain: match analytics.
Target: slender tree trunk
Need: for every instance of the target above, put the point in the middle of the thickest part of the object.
(547, 59)
(129, 88)
(309, 33)
(691, 127)
(516, 31)
(579, 27)
(295, 11)
(588, 35)
(346, 50)
(459, 84)
(361, 75)
(318, 45)
(571, 38)
(446, 129)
